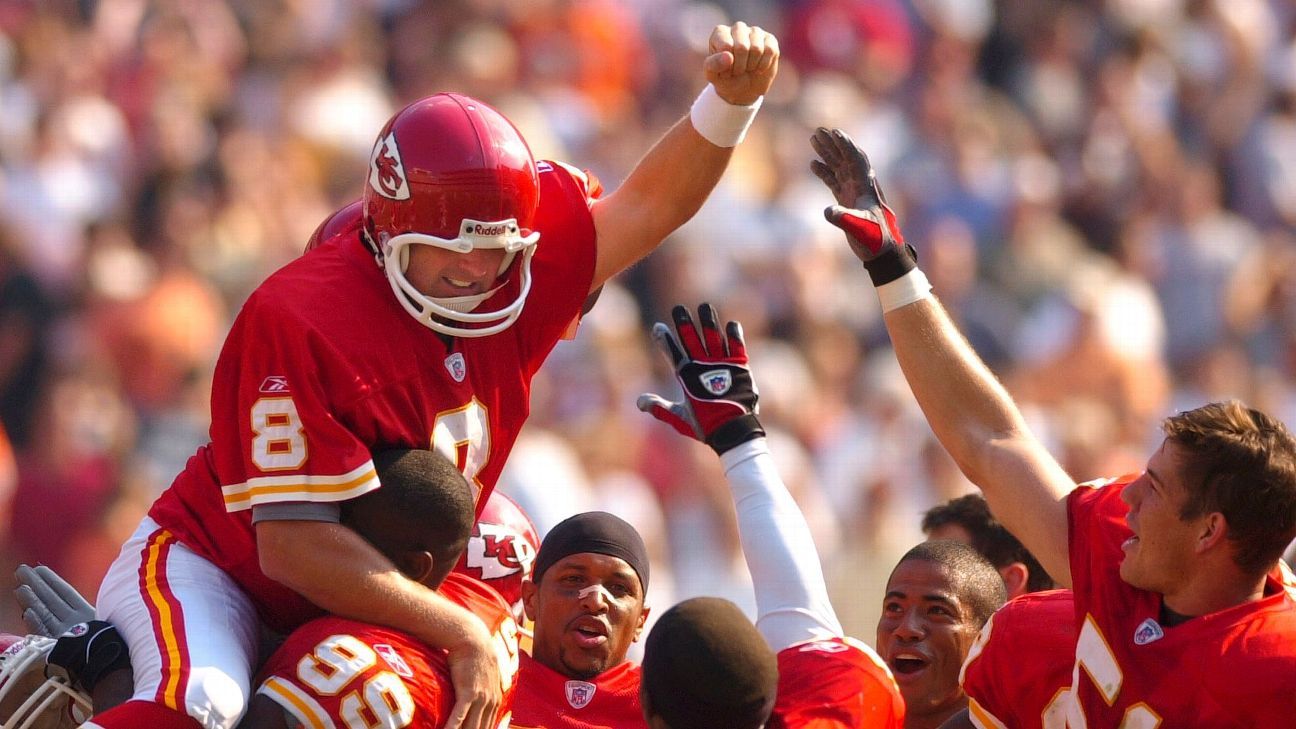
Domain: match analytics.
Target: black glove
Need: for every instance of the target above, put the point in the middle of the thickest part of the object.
(861, 210)
(86, 653)
(719, 405)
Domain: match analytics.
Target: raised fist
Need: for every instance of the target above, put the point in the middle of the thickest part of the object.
(742, 62)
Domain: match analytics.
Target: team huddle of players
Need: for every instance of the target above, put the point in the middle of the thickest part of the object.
(368, 395)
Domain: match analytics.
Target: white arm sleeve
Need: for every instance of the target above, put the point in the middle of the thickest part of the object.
(791, 597)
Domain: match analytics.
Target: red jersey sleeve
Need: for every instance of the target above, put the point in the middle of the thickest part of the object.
(562, 270)
(835, 684)
(1018, 672)
(274, 431)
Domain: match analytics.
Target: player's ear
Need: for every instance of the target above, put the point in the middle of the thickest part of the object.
(643, 620)
(418, 566)
(1015, 576)
(1212, 531)
(529, 590)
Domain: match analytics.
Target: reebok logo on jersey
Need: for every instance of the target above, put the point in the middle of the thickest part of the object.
(1147, 632)
(274, 383)
(394, 660)
(386, 171)
(825, 646)
(716, 382)
(579, 693)
(456, 366)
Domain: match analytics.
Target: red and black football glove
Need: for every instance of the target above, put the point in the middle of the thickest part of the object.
(861, 211)
(719, 405)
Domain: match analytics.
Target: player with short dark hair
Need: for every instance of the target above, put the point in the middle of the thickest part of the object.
(968, 519)
(938, 597)
(332, 670)
(826, 680)
(705, 665)
(422, 321)
(1175, 570)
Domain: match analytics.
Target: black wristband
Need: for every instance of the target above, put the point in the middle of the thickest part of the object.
(86, 653)
(891, 265)
(739, 430)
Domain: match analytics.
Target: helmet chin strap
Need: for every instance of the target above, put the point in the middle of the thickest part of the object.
(443, 313)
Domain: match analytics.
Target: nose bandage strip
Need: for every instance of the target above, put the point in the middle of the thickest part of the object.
(595, 588)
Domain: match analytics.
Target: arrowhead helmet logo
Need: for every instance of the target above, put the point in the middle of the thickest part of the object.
(579, 693)
(1147, 632)
(386, 171)
(716, 382)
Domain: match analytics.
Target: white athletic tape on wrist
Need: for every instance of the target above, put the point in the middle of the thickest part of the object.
(719, 122)
(911, 287)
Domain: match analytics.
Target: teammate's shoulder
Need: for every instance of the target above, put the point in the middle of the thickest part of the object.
(844, 651)
(1051, 601)
(479, 598)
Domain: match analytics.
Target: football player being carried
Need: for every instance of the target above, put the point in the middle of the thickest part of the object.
(1182, 618)
(330, 670)
(825, 679)
(420, 322)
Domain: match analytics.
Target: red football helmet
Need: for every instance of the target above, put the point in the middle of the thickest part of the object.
(450, 171)
(29, 699)
(502, 549)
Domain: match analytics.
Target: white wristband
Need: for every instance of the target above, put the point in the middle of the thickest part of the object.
(911, 287)
(721, 123)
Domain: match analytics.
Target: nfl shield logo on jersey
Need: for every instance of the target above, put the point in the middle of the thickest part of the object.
(716, 382)
(580, 693)
(1147, 632)
(456, 366)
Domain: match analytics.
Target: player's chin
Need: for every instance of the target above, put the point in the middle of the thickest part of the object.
(1130, 572)
(586, 663)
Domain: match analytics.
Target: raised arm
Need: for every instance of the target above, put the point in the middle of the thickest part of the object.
(968, 409)
(674, 178)
(719, 409)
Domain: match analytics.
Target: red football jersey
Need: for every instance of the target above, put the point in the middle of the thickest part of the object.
(337, 672)
(1018, 672)
(1231, 668)
(323, 364)
(547, 699)
(835, 684)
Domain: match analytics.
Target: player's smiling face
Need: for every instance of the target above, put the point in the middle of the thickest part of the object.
(443, 273)
(588, 608)
(924, 634)
(1161, 549)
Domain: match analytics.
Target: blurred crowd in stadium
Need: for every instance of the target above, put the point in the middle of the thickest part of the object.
(1103, 192)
